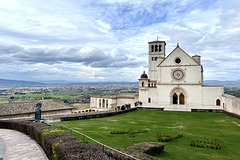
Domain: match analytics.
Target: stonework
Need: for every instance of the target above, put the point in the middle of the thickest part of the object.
(27, 109)
(112, 102)
(175, 83)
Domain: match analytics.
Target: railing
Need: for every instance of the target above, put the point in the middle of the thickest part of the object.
(103, 145)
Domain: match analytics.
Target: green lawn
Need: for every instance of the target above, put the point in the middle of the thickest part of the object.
(34, 95)
(193, 125)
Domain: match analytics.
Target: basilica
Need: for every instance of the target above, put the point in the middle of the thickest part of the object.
(175, 82)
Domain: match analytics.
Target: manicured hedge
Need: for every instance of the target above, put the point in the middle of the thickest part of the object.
(166, 138)
(56, 143)
(206, 144)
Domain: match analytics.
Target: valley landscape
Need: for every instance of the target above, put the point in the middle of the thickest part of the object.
(120, 80)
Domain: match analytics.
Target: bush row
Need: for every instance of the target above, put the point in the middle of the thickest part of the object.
(166, 138)
(206, 144)
(127, 132)
(55, 143)
(130, 132)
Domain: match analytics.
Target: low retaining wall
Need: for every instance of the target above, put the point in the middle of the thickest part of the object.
(206, 110)
(221, 111)
(95, 115)
(150, 108)
(44, 113)
(232, 114)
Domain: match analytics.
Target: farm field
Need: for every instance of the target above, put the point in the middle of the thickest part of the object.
(193, 126)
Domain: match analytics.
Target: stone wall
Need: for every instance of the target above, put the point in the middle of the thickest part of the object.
(27, 109)
(232, 104)
(113, 101)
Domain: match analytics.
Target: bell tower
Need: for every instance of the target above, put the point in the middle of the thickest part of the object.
(155, 56)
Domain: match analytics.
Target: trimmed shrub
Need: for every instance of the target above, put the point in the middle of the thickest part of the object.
(203, 144)
(56, 143)
(130, 132)
(167, 138)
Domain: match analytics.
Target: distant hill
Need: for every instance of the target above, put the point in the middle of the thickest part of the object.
(7, 82)
(64, 82)
(19, 83)
(216, 82)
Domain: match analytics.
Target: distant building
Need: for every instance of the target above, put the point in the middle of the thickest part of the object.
(112, 102)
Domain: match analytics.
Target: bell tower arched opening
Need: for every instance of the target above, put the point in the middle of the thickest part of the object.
(152, 48)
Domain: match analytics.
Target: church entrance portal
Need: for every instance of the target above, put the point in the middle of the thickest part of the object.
(175, 98)
(181, 97)
(178, 96)
(178, 99)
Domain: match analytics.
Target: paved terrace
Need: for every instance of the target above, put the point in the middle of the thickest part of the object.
(15, 145)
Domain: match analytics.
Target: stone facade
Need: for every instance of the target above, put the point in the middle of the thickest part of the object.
(175, 83)
(112, 102)
(232, 104)
(27, 109)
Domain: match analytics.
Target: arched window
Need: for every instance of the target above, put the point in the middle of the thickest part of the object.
(106, 103)
(103, 103)
(152, 48)
(181, 98)
(160, 48)
(218, 102)
(149, 100)
(143, 84)
(100, 103)
(148, 84)
(156, 48)
(175, 98)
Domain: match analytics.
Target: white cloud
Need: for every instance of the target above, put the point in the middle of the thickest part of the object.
(107, 40)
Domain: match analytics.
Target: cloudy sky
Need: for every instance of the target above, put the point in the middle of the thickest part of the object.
(106, 40)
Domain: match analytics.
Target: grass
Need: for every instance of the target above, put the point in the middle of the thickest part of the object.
(193, 125)
(4, 101)
(34, 95)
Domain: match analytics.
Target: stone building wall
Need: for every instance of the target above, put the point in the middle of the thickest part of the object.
(113, 101)
(231, 104)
